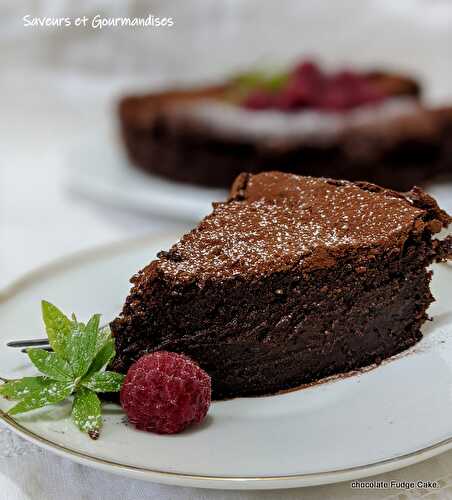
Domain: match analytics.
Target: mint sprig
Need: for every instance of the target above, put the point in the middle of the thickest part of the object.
(268, 81)
(75, 367)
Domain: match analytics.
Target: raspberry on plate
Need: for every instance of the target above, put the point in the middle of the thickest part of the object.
(165, 392)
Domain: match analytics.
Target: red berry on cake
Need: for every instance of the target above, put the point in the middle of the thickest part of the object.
(165, 392)
(258, 99)
(308, 71)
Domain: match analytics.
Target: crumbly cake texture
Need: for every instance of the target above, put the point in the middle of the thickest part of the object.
(199, 137)
(291, 280)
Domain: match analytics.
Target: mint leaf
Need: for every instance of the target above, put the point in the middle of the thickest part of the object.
(20, 388)
(104, 382)
(268, 80)
(103, 336)
(86, 412)
(49, 393)
(58, 327)
(277, 80)
(82, 345)
(50, 364)
(103, 357)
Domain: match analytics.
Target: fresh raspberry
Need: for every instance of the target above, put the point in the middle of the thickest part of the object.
(308, 87)
(308, 71)
(258, 99)
(165, 392)
(296, 95)
(335, 98)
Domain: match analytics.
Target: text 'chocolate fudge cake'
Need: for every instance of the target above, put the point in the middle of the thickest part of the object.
(291, 280)
(346, 125)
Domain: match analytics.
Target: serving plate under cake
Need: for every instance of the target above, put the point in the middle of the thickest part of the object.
(367, 423)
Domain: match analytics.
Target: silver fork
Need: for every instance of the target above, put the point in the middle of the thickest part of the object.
(23, 345)
(42, 343)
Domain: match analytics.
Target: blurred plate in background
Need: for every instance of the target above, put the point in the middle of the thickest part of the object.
(99, 170)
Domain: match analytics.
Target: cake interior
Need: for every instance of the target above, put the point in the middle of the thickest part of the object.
(289, 329)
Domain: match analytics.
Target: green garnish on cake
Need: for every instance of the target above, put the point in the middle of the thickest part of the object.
(76, 367)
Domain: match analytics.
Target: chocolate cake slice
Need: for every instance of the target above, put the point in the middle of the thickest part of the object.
(346, 125)
(291, 280)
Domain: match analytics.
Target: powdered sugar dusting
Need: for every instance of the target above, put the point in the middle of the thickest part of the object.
(307, 219)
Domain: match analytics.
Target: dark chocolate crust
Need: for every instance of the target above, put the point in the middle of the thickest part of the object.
(395, 152)
(264, 305)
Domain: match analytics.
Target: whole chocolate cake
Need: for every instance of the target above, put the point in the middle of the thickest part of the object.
(291, 280)
(346, 125)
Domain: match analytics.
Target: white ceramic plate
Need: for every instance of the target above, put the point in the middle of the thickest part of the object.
(395, 415)
(99, 169)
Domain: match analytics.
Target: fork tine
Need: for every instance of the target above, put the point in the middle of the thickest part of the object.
(28, 343)
(48, 349)
(39, 342)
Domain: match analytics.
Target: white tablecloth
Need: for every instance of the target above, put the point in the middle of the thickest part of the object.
(29, 473)
(54, 87)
